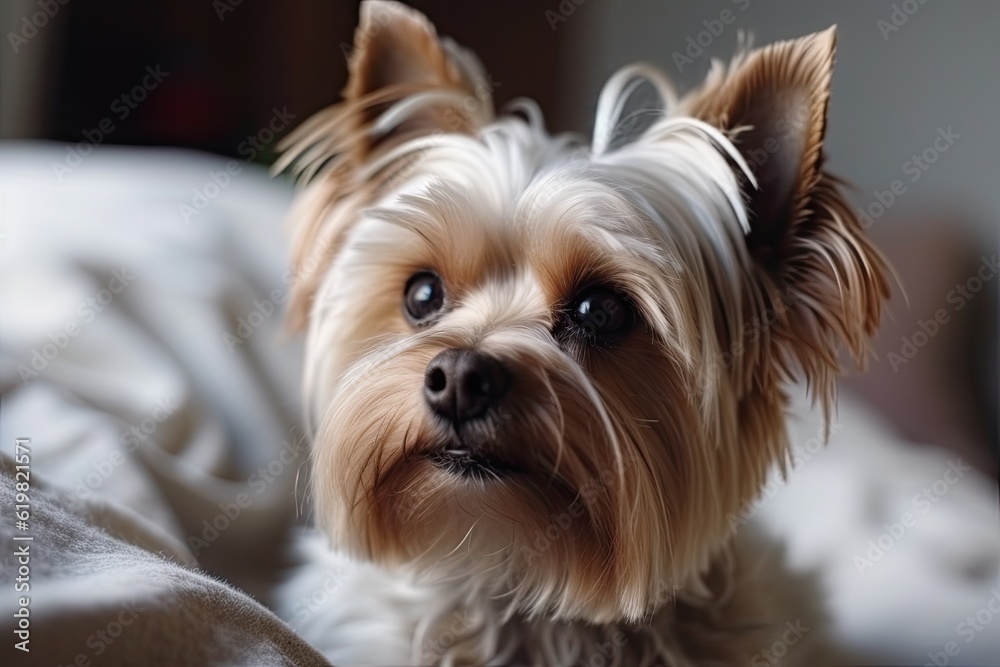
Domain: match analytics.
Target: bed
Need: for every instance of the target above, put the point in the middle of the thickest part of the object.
(149, 391)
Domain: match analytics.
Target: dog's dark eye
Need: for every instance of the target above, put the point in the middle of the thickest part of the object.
(602, 313)
(424, 296)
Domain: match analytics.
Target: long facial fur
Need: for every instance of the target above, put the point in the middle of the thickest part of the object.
(655, 440)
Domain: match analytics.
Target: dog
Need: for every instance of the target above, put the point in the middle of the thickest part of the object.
(542, 374)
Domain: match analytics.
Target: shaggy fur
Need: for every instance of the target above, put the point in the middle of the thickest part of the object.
(729, 246)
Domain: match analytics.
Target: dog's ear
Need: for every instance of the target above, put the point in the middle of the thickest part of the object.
(404, 83)
(819, 274)
(398, 54)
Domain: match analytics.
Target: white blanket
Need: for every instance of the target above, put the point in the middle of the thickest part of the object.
(140, 351)
(906, 538)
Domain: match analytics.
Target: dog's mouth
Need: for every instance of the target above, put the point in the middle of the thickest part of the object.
(468, 464)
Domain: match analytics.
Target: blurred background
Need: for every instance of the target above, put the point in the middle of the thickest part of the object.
(912, 129)
(907, 73)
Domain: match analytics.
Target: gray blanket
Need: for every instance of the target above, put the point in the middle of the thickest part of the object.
(140, 354)
(94, 587)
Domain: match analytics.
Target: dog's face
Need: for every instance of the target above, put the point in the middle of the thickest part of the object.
(552, 369)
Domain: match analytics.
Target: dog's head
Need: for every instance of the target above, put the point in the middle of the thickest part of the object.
(555, 368)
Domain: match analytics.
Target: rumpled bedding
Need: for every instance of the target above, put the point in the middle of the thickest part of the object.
(164, 442)
(143, 362)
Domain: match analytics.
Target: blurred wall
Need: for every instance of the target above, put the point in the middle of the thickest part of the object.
(892, 90)
(27, 67)
(231, 76)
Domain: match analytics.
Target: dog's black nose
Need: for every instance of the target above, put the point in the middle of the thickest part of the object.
(463, 384)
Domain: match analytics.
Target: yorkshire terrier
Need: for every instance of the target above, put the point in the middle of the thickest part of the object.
(543, 375)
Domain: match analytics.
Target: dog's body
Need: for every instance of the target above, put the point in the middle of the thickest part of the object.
(542, 376)
(752, 611)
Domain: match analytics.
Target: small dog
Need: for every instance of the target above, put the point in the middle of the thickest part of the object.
(542, 376)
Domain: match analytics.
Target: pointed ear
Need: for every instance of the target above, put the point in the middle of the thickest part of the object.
(398, 55)
(772, 102)
(404, 83)
(816, 266)
(397, 46)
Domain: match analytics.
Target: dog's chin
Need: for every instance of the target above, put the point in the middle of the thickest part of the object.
(452, 502)
(469, 456)
(466, 463)
(463, 511)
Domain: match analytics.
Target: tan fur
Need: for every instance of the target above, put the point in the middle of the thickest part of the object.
(389, 37)
(741, 279)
